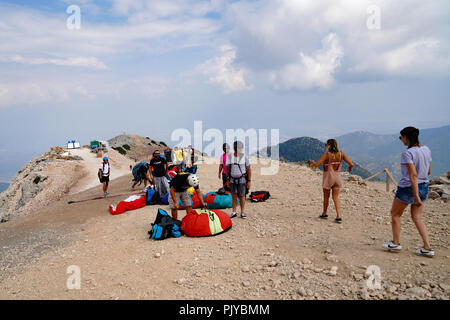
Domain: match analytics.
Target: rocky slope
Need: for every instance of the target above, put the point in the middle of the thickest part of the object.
(136, 147)
(50, 176)
(40, 182)
(281, 251)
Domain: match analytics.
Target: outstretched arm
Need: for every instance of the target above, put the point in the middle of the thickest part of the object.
(318, 163)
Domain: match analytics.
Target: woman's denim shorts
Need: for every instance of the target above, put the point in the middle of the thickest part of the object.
(406, 195)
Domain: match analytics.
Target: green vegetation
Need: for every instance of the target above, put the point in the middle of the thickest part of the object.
(37, 180)
(165, 145)
(120, 150)
(126, 146)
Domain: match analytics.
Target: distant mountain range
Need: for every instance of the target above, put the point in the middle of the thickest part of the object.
(3, 186)
(376, 152)
(307, 148)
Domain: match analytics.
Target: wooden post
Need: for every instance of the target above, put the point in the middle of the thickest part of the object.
(387, 181)
(373, 176)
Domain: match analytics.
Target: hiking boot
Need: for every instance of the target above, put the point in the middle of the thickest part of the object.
(233, 214)
(243, 215)
(424, 252)
(392, 246)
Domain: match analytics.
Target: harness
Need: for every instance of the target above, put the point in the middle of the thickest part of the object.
(238, 179)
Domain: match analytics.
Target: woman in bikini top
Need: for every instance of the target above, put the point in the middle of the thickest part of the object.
(332, 182)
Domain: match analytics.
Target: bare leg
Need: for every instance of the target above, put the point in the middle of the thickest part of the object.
(175, 214)
(234, 198)
(337, 203)
(326, 197)
(396, 213)
(242, 203)
(416, 215)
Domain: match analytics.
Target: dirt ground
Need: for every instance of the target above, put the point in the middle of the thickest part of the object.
(281, 251)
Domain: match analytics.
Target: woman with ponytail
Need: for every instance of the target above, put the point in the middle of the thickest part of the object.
(412, 190)
(332, 181)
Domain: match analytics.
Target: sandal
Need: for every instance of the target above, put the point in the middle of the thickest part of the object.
(323, 216)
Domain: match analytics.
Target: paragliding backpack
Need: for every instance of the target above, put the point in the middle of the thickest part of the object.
(165, 226)
(259, 196)
(152, 197)
(137, 167)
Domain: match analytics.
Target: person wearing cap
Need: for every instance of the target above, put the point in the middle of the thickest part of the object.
(103, 173)
(178, 191)
(159, 168)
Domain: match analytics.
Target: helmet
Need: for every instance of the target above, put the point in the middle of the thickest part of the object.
(193, 180)
(105, 158)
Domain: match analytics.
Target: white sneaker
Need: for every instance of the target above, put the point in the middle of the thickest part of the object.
(243, 215)
(233, 214)
(425, 252)
(392, 247)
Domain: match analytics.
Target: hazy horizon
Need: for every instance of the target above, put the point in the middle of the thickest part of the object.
(92, 69)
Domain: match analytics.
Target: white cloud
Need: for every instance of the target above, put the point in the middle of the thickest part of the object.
(309, 72)
(221, 71)
(284, 39)
(420, 57)
(88, 62)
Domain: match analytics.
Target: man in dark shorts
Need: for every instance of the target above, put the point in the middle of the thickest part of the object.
(159, 168)
(239, 175)
(178, 191)
(104, 171)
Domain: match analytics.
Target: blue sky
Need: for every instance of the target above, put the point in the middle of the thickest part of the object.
(310, 67)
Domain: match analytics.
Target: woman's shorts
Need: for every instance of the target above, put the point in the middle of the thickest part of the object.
(406, 194)
(104, 179)
(183, 196)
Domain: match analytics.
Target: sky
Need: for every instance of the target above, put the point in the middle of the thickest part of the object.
(91, 69)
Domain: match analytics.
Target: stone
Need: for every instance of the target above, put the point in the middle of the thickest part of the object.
(417, 292)
(245, 269)
(333, 271)
(301, 291)
(433, 195)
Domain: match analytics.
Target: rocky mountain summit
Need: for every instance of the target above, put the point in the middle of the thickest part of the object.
(40, 182)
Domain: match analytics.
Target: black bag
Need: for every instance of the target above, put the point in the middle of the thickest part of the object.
(259, 196)
(165, 227)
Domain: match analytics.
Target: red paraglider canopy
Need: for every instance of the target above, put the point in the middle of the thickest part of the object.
(204, 222)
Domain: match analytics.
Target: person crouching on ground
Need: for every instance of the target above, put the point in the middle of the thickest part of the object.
(103, 173)
(332, 181)
(159, 166)
(412, 190)
(178, 191)
(142, 174)
(239, 177)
